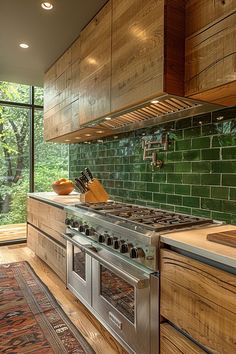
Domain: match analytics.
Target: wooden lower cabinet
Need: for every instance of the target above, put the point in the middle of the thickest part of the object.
(48, 250)
(47, 218)
(173, 342)
(200, 300)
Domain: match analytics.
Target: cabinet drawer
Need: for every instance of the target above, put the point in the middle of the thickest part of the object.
(173, 342)
(199, 299)
(53, 254)
(47, 218)
(32, 237)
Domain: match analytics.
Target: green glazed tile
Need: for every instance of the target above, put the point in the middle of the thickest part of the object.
(183, 144)
(183, 167)
(202, 119)
(210, 179)
(201, 143)
(192, 132)
(201, 166)
(191, 202)
(220, 192)
(153, 187)
(191, 155)
(233, 193)
(224, 140)
(182, 189)
(229, 180)
(210, 154)
(226, 113)
(167, 188)
(202, 213)
(167, 207)
(229, 153)
(159, 197)
(211, 204)
(191, 178)
(224, 167)
(182, 210)
(140, 186)
(226, 217)
(184, 123)
(159, 177)
(201, 191)
(229, 206)
(174, 199)
(174, 178)
(174, 156)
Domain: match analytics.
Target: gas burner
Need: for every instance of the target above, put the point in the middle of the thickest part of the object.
(152, 219)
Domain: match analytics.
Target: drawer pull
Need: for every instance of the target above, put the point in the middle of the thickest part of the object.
(115, 320)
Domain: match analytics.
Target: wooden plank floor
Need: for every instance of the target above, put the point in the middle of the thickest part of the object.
(12, 232)
(99, 338)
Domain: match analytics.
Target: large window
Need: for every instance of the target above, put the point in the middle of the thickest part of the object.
(27, 163)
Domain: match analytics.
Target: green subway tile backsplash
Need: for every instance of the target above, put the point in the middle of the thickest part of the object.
(199, 172)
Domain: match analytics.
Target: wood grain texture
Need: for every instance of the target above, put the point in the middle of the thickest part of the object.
(227, 238)
(32, 237)
(147, 44)
(12, 232)
(200, 300)
(95, 66)
(47, 218)
(173, 342)
(202, 13)
(210, 60)
(98, 337)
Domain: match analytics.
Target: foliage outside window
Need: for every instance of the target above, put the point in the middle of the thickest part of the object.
(50, 160)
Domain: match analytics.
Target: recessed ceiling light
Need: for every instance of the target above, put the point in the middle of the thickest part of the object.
(220, 118)
(46, 5)
(87, 134)
(78, 137)
(108, 118)
(24, 45)
(154, 101)
(67, 140)
(100, 131)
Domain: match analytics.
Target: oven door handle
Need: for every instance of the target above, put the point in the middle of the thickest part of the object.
(134, 276)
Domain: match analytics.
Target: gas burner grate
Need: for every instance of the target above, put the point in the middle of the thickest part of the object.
(153, 219)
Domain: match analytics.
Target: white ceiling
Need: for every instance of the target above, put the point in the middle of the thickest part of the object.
(48, 33)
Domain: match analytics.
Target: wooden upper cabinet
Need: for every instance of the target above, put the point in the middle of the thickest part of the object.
(210, 71)
(147, 50)
(95, 67)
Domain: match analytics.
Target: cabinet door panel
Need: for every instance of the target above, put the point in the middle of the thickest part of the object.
(200, 300)
(95, 67)
(137, 51)
(202, 13)
(210, 57)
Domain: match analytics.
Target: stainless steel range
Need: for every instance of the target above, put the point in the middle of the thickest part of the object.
(112, 266)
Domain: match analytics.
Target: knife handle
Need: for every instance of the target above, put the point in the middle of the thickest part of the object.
(89, 173)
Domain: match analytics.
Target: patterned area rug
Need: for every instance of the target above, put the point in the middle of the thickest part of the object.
(31, 320)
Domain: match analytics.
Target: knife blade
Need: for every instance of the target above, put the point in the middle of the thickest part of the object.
(88, 173)
(83, 182)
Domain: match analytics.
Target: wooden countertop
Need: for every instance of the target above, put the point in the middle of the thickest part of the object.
(195, 241)
(55, 199)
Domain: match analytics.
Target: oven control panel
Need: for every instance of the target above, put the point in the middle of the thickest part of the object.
(115, 240)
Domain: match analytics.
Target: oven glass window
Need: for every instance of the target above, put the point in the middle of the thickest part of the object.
(79, 262)
(117, 292)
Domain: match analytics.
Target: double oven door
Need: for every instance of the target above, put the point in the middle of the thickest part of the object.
(118, 293)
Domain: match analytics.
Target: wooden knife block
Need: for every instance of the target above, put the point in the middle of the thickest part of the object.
(96, 193)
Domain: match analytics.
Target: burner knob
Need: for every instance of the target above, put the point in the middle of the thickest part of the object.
(67, 221)
(134, 252)
(88, 231)
(124, 248)
(101, 238)
(74, 224)
(81, 228)
(116, 244)
(109, 240)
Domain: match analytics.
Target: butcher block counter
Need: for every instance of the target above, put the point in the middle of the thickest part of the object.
(195, 242)
(55, 199)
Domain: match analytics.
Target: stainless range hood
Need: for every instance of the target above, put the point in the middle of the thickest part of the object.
(163, 109)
